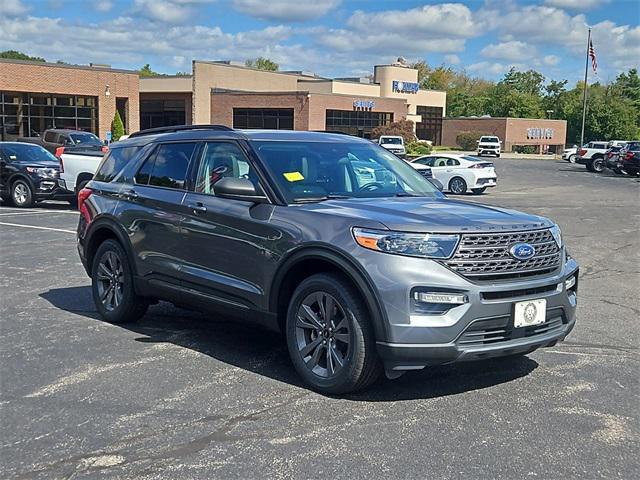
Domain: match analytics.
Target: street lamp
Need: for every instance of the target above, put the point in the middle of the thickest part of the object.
(549, 112)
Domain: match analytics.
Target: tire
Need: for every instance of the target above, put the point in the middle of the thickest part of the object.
(478, 191)
(458, 186)
(21, 194)
(316, 350)
(497, 155)
(598, 165)
(111, 271)
(572, 158)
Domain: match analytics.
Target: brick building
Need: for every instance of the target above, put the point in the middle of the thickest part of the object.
(35, 96)
(240, 97)
(514, 132)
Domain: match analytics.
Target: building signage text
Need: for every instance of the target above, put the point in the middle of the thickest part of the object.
(364, 104)
(399, 86)
(539, 133)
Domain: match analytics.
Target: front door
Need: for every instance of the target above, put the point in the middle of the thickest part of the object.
(229, 240)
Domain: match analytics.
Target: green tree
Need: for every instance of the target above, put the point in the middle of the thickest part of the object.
(262, 63)
(15, 55)
(146, 72)
(529, 82)
(117, 127)
(403, 128)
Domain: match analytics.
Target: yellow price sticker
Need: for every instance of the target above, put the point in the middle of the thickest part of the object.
(293, 176)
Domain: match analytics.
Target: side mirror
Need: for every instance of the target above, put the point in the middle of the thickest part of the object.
(239, 189)
(477, 141)
(436, 183)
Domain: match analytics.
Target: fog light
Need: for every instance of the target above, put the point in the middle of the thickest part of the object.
(436, 297)
(570, 283)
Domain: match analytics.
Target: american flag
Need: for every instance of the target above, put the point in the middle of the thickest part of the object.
(592, 54)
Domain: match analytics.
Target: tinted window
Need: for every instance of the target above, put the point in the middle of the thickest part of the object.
(452, 162)
(168, 168)
(222, 160)
(15, 152)
(428, 161)
(84, 138)
(50, 137)
(114, 162)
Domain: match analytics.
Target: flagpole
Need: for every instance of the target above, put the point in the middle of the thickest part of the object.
(584, 90)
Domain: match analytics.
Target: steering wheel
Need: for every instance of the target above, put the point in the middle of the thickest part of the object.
(371, 187)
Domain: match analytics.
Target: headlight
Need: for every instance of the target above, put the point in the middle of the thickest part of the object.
(557, 235)
(43, 172)
(425, 245)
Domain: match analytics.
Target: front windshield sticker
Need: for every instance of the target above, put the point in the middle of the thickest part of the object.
(293, 176)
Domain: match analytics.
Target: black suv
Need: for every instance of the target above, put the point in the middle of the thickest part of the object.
(357, 258)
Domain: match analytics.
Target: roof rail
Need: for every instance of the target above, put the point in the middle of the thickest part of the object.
(178, 128)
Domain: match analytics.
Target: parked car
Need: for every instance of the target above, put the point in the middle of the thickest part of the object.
(28, 174)
(76, 169)
(393, 143)
(593, 155)
(270, 226)
(459, 173)
(59, 140)
(489, 145)
(427, 173)
(569, 154)
(612, 158)
(631, 158)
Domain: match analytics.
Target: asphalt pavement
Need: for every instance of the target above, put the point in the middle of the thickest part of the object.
(186, 395)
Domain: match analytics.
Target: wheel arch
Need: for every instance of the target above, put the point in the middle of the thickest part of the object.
(308, 261)
(82, 176)
(102, 229)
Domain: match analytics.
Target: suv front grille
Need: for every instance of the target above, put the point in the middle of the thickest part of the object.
(485, 256)
(500, 329)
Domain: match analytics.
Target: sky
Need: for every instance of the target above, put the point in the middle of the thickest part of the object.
(333, 38)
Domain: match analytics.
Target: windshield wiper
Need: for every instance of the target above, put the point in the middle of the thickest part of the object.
(320, 198)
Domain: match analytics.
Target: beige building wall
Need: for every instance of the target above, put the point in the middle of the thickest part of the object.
(163, 84)
(210, 75)
(52, 78)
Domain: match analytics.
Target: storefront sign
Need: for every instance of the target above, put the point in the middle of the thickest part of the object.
(539, 133)
(364, 104)
(399, 86)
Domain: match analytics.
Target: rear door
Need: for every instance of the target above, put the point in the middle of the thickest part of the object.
(442, 171)
(228, 240)
(151, 210)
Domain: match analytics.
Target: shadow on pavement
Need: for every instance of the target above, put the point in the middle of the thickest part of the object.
(264, 353)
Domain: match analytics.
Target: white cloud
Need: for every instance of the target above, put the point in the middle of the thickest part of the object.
(512, 50)
(494, 68)
(168, 11)
(580, 5)
(452, 59)
(285, 10)
(13, 7)
(103, 6)
(551, 60)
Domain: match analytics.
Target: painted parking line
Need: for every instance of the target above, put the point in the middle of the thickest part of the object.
(40, 212)
(37, 227)
(9, 210)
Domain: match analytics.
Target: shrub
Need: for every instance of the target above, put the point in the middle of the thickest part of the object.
(417, 148)
(468, 140)
(403, 128)
(117, 127)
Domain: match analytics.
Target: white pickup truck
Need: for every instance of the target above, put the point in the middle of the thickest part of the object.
(76, 169)
(593, 154)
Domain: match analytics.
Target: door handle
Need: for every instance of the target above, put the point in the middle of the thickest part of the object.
(197, 208)
(129, 195)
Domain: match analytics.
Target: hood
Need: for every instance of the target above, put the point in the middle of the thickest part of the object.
(43, 164)
(422, 214)
(486, 144)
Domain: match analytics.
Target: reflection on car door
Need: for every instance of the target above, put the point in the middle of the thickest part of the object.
(228, 239)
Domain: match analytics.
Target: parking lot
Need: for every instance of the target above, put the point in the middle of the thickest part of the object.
(184, 395)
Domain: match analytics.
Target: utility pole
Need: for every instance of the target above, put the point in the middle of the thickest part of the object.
(584, 91)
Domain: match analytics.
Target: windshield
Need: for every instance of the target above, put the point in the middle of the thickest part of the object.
(489, 139)
(85, 139)
(26, 153)
(315, 171)
(391, 140)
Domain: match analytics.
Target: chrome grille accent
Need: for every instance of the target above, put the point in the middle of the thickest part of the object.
(485, 256)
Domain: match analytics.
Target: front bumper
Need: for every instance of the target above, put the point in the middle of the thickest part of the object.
(52, 189)
(582, 160)
(480, 328)
(488, 151)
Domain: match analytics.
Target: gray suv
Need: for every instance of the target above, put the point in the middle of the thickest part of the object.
(355, 257)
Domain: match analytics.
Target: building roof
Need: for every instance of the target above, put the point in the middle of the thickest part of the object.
(68, 65)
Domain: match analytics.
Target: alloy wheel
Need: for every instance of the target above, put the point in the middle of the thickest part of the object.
(20, 193)
(323, 334)
(598, 165)
(110, 280)
(457, 186)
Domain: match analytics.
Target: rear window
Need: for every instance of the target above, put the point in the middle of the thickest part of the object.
(84, 138)
(114, 162)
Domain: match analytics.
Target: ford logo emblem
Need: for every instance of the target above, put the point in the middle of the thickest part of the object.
(522, 251)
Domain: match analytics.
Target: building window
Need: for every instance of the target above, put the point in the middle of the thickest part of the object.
(431, 126)
(270, 118)
(161, 113)
(356, 122)
(30, 114)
